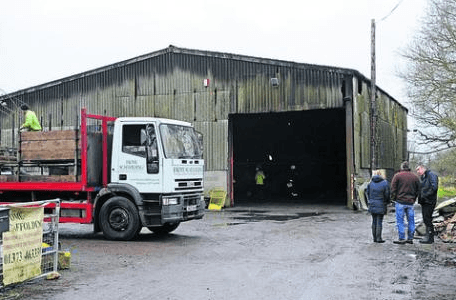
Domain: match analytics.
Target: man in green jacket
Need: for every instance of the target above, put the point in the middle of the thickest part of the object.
(31, 121)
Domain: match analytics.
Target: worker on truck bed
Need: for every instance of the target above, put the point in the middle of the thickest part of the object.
(31, 121)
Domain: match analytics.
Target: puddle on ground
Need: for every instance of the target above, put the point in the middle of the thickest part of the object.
(228, 224)
(249, 216)
(250, 211)
(257, 217)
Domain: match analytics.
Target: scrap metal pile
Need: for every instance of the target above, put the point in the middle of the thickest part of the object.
(445, 221)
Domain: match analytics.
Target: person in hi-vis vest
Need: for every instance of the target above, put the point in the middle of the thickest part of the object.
(31, 121)
(259, 180)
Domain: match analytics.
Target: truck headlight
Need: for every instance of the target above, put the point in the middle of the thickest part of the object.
(170, 201)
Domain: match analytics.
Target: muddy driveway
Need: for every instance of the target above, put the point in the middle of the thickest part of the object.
(272, 252)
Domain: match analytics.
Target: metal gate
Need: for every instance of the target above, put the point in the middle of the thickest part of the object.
(50, 239)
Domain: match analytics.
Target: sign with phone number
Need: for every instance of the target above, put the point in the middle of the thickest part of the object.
(22, 244)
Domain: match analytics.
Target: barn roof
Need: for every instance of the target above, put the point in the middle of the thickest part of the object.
(195, 52)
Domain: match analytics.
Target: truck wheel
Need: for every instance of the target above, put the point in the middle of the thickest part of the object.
(165, 229)
(119, 219)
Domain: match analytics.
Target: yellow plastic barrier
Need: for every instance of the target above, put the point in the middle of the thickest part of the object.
(217, 199)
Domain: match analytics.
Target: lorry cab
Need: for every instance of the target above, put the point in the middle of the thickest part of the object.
(157, 164)
(157, 156)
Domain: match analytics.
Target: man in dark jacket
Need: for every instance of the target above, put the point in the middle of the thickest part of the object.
(427, 199)
(405, 188)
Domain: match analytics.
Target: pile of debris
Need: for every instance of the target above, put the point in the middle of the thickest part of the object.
(445, 221)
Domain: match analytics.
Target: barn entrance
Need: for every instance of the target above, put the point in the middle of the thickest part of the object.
(306, 149)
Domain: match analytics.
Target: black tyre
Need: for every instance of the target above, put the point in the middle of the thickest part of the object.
(119, 219)
(165, 229)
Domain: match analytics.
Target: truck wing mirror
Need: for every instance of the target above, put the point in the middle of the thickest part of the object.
(200, 139)
(143, 137)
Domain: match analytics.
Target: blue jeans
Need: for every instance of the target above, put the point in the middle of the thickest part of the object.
(409, 212)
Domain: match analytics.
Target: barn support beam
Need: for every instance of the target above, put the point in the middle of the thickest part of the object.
(348, 102)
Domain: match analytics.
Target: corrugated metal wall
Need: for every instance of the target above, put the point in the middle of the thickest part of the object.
(169, 83)
(391, 139)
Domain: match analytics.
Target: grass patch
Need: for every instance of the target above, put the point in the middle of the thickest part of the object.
(446, 192)
(447, 188)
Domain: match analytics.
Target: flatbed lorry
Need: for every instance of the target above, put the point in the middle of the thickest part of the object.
(121, 174)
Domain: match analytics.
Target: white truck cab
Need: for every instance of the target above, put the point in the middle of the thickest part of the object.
(159, 163)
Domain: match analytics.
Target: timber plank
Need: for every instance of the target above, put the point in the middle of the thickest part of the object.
(48, 178)
(44, 155)
(8, 178)
(48, 135)
(53, 145)
(49, 149)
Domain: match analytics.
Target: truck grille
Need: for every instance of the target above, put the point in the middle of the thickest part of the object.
(192, 199)
(189, 184)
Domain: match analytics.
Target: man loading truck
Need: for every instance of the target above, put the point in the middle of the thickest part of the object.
(122, 174)
(31, 121)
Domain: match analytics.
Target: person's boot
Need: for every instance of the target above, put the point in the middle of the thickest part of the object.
(431, 234)
(429, 237)
(400, 242)
(374, 233)
(378, 234)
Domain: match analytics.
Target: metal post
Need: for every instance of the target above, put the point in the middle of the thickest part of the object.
(104, 125)
(13, 131)
(77, 150)
(55, 220)
(83, 133)
(50, 121)
(373, 119)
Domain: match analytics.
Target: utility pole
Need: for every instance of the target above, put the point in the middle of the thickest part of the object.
(373, 102)
(373, 118)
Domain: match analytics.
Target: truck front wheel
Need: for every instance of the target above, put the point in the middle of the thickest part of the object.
(119, 219)
(164, 229)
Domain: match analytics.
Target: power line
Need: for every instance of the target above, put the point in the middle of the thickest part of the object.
(14, 100)
(391, 12)
(429, 152)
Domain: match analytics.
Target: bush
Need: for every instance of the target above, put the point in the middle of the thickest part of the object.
(447, 181)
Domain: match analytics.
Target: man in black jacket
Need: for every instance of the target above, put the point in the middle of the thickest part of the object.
(428, 200)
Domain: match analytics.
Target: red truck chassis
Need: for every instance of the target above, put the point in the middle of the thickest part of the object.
(78, 187)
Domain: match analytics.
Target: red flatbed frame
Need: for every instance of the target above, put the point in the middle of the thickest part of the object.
(80, 186)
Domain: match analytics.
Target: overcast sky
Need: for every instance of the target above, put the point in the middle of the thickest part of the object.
(45, 40)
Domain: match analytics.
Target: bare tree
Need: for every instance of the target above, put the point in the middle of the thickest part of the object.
(430, 75)
(445, 163)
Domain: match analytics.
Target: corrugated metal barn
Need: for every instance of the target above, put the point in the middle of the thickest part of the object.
(252, 112)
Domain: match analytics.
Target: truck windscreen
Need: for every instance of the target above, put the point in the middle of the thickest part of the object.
(180, 142)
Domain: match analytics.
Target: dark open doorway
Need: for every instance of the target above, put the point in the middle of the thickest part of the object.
(307, 147)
